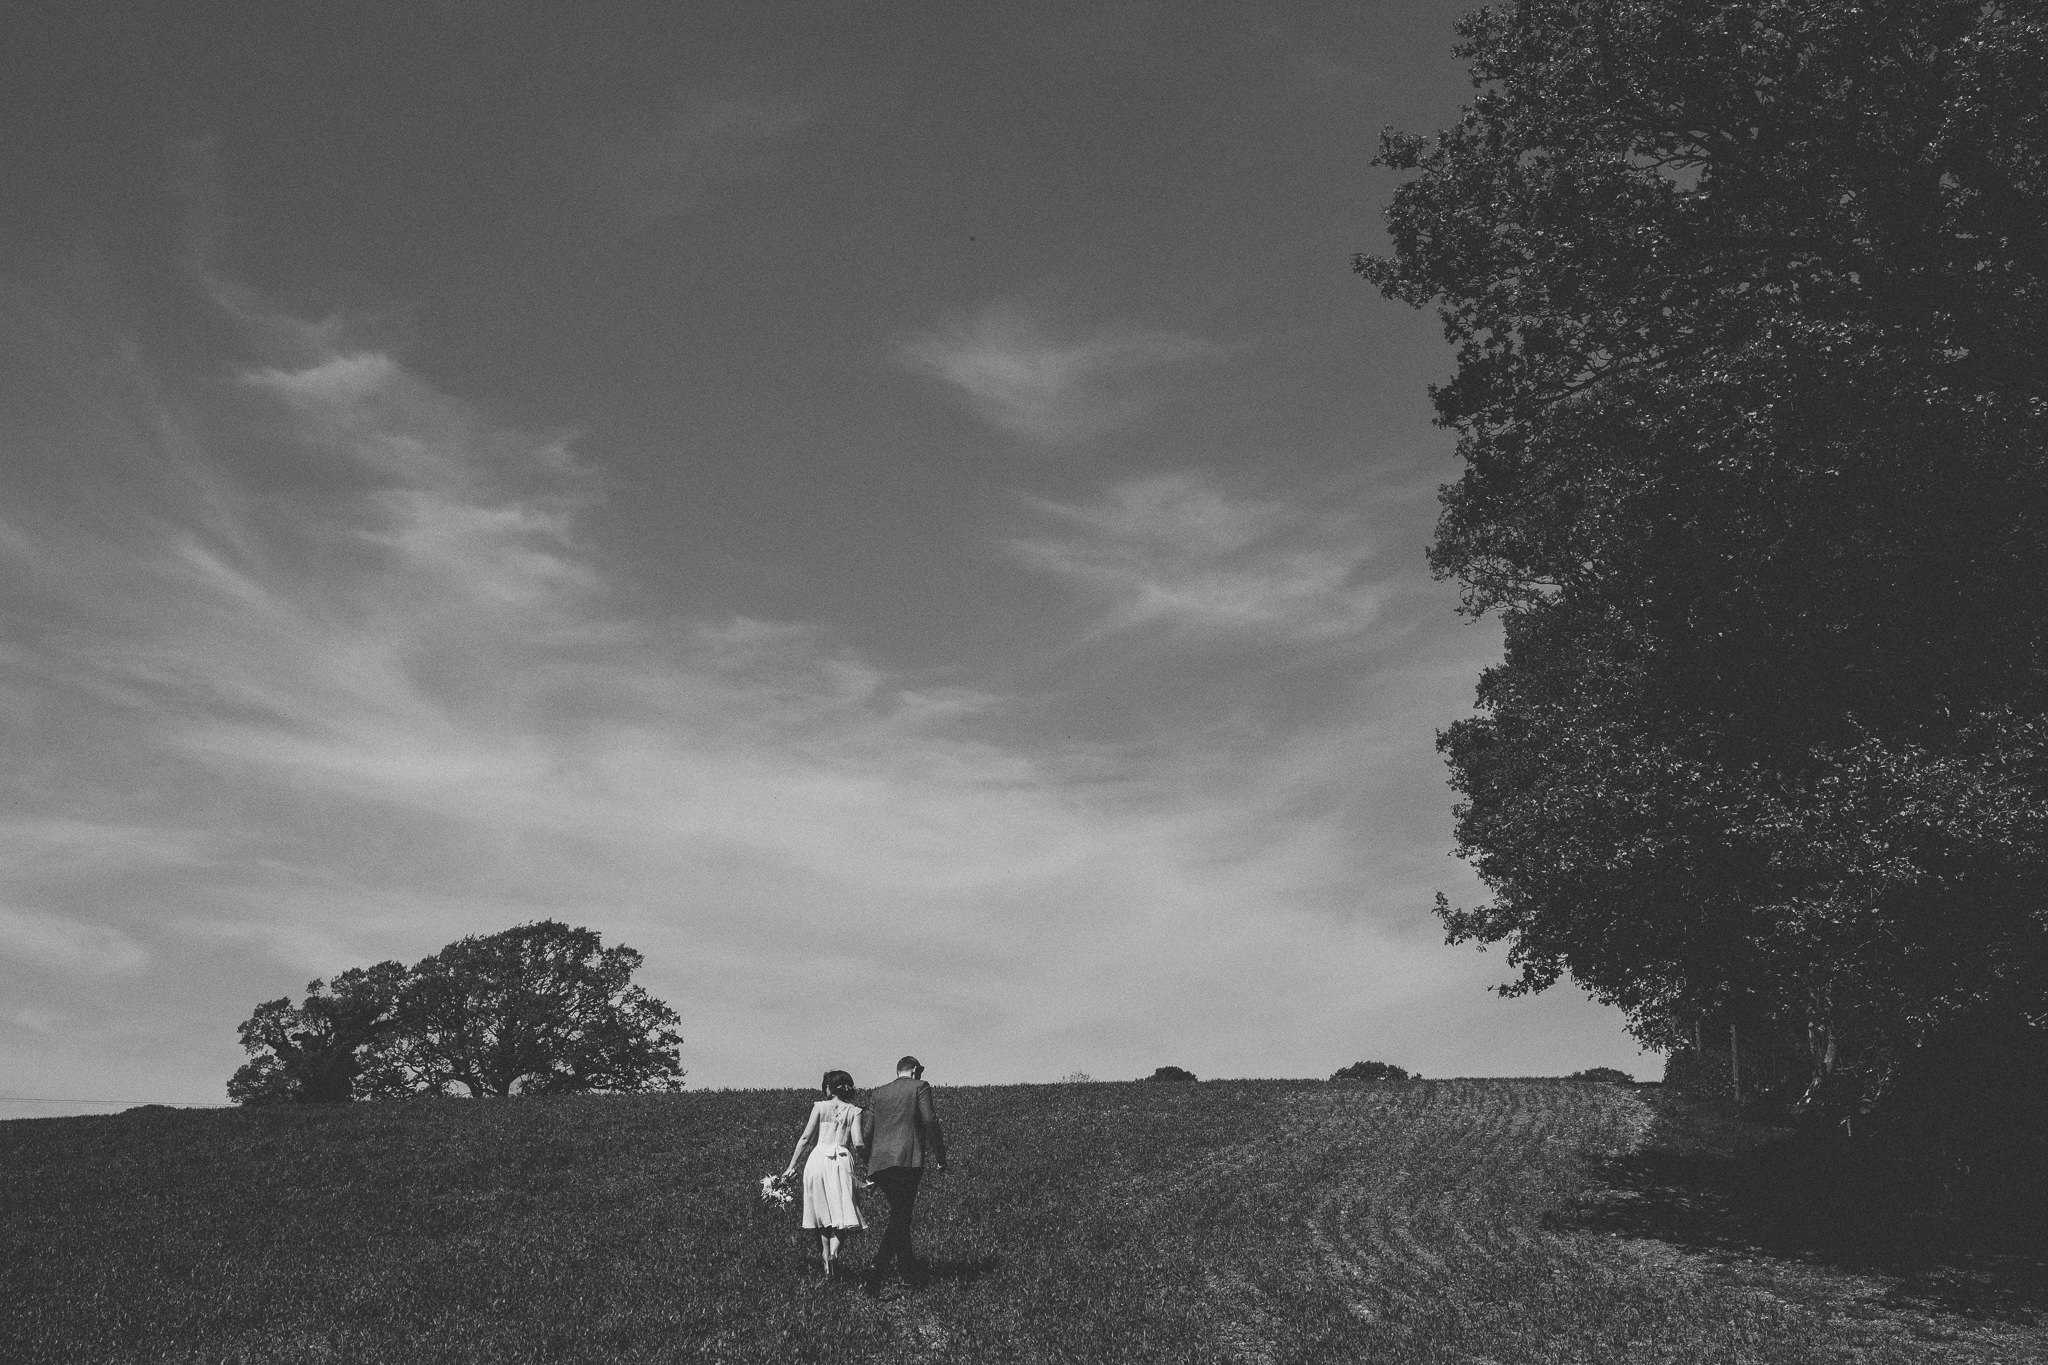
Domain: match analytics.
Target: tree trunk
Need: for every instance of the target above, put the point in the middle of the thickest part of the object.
(1820, 1063)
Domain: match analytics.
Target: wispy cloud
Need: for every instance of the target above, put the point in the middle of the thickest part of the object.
(1179, 554)
(405, 693)
(1051, 385)
(403, 679)
(56, 846)
(312, 653)
(70, 946)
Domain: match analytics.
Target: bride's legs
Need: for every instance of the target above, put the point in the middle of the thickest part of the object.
(829, 1243)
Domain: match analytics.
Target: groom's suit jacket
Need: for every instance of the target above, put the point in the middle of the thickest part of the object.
(904, 1126)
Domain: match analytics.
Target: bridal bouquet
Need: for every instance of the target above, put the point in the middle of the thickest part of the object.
(775, 1190)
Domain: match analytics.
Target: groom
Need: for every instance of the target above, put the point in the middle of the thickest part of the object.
(904, 1138)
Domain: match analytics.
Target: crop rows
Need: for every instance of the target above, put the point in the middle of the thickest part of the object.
(1266, 1221)
(1417, 1222)
(1374, 1199)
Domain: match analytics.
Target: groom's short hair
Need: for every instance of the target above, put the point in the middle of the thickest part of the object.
(904, 1064)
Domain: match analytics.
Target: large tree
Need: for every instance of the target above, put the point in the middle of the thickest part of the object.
(540, 1007)
(318, 1051)
(1750, 302)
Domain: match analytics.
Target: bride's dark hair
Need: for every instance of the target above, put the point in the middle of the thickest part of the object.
(838, 1085)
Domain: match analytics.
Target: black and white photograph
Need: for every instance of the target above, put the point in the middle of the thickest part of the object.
(1060, 681)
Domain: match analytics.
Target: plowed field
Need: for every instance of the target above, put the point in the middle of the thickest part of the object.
(1258, 1221)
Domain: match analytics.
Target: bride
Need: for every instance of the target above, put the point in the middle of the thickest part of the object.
(840, 1127)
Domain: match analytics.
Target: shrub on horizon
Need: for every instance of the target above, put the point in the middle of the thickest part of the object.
(1373, 1071)
(1172, 1073)
(1609, 1074)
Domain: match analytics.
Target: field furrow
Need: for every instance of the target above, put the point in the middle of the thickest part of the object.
(1388, 1199)
(1258, 1222)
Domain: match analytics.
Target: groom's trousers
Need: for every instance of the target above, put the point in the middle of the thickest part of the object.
(898, 1185)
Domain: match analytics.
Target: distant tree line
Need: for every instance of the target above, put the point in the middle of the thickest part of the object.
(1750, 302)
(537, 1009)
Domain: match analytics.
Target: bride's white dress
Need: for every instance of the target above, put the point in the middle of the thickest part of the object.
(828, 1173)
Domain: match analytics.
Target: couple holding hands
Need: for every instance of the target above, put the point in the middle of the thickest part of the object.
(898, 1137)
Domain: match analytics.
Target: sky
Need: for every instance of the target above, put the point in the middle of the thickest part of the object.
(899, 512)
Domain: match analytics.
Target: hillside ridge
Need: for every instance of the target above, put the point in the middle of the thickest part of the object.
(1239, 1220)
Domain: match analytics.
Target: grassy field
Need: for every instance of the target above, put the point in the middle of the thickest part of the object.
(1508, 1221)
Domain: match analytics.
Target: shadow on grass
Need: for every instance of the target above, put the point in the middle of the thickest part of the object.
(964, 1270)
(1711, 1182)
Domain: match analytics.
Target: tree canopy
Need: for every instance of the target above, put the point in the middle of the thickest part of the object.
(315, 1052)
(1750, 304)
(538, 1008)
